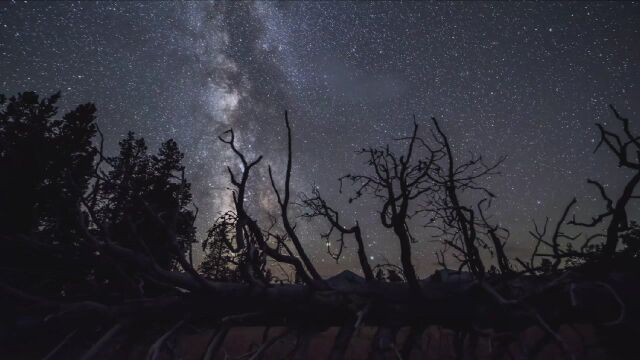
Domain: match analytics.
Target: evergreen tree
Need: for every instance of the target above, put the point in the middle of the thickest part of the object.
(218, 263)
(46, 164)
(138, 180)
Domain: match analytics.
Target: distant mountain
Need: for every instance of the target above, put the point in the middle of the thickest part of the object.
(346, 280)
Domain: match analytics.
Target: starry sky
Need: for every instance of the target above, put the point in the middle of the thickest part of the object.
(526, 80)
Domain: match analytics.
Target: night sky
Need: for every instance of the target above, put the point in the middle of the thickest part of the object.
(526, 80)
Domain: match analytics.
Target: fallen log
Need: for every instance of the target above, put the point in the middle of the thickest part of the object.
(458, 305)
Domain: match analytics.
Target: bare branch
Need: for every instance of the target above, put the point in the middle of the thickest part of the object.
(318, 207)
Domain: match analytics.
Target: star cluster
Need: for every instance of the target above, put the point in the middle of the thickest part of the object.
(526, 80)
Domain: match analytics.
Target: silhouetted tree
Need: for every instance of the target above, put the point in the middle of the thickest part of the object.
(614, 219)
(460, 224)
(46, 162)
(397, 180)
(138, 180)
(47, 158)
(249, 234)
(427, 180)
(625, 147)
(219, 263)
(283, 202)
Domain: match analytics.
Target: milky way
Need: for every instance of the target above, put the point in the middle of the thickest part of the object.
(526, 80)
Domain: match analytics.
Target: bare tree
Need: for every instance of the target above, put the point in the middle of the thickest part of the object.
(498, 236)
(397, 180)
(247, 227)
(557, 252)
(283, 202)
(459, 224)
(624, 146)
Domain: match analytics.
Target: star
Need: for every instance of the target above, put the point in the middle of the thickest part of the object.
(526, 80)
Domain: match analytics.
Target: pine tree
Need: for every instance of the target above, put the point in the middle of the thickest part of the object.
(139, 180)
(46, 164)
(218, 263)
